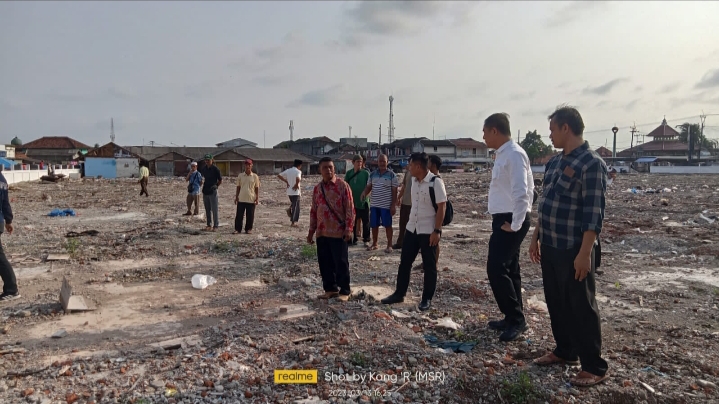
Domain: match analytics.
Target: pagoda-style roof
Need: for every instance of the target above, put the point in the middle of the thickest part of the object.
(663, 131)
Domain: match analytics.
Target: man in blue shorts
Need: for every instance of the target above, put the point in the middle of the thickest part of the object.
(383, 184)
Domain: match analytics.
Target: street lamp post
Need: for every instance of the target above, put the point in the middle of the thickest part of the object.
(614, 149)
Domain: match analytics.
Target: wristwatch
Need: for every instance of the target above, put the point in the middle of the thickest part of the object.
(438, 231)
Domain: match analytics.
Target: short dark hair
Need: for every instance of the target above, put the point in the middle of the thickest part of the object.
(421, 158)
(436, 160)
(298, 162)
(326, 160)
(499, 121)
(564, 114)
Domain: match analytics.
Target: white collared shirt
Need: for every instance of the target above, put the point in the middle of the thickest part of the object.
(512, 186)
(422, 215)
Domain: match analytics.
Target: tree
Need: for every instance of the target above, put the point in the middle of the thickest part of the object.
(97, 145)
(700, 141)
(534, 146)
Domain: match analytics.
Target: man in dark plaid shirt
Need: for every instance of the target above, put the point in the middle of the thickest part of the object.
(571, 211)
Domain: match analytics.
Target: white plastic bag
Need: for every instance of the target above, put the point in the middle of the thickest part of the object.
(202, 281)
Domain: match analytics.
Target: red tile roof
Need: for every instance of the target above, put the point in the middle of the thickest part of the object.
(603, 152)
(663, 130)
(55, 142)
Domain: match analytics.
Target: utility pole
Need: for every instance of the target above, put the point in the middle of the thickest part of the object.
(433, 121)
(350, 132)
(701, 134)
(264, 140)
(634, 130)
(380, 136)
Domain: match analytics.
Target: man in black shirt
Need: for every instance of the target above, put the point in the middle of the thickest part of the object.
(212, 180)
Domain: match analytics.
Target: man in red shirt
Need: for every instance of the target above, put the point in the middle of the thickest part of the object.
(332, 218)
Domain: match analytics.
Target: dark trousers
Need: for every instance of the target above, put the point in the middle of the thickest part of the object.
(242, 208)
(143, 186)
(362, 214)
(333, 259)
(9, 284)
(404, 212)
(503, 269)
(294, 208)
(415, 244)
(573, 309)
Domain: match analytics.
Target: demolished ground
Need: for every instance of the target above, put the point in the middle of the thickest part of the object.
(152, 338)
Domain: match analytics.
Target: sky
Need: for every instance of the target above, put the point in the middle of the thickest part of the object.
(199, 73)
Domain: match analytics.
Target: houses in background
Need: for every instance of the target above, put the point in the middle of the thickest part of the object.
(53, 149)
(111, 161)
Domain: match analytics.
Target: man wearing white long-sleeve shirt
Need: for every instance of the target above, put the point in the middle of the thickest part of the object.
(510, 203)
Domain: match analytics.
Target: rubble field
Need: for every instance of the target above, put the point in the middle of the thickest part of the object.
(150, 337)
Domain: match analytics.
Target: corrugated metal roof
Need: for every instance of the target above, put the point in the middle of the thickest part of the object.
(645, 160)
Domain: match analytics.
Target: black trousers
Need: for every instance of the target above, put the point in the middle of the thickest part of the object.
(363, 214)
(243, 207)
(573, 309)
(9, 284)
(503, 269)
(333, 259)
(294, 208)
(415, 244)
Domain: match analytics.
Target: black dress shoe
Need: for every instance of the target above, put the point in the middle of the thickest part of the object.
(392, 299)
(499, 325)
(513, 332)
(424, 305)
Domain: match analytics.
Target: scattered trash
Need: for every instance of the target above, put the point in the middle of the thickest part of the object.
(535, 304)
(454, 346)
(447, 322)
(202, 281)
(61, 212)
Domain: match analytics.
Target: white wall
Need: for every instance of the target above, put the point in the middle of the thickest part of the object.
(684, 169)
(15, 176)
(127, 167)
(537, 169)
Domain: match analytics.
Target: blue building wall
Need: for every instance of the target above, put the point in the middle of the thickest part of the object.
(100, 166)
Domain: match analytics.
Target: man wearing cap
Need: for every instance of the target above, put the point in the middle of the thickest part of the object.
(194, 179)
(358, 177)
(292, 177)
(213, 179)
(246, 198)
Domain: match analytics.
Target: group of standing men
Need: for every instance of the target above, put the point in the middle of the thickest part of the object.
(570, 216)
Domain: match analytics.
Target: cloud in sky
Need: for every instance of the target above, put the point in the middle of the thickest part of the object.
(201, 72)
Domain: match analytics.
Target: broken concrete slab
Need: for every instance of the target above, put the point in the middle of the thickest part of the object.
(292, 311)
(69, 302)
(58, 257)
(177, 343)
(59, 334)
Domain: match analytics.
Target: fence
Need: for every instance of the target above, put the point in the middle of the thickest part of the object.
(15, 176)
(664, 169)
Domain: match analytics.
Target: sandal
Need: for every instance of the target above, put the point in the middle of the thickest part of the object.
(552, 359)
(586, 379)
(208, 228)
(388, 250)
(372, 248)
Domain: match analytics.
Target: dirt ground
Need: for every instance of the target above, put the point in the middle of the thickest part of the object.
(658, 297)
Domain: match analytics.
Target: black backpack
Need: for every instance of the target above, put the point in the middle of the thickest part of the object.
(449, 210)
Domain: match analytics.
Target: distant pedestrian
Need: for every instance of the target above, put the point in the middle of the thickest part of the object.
(383, 186)
(510, 203)
(9, 283)
(332, 219)
(423, 234)
(571, 214)
(213, 179)
(194, 182)
(246, 198)
(292, 178)
(144, 178)
(357, 177)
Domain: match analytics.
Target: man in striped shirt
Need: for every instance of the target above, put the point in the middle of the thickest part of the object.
(383, 184)
(571, 213)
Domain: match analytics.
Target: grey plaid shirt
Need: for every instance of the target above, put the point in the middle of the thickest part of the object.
(572, 200)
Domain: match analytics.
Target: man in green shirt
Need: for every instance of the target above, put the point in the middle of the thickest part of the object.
(357, 177)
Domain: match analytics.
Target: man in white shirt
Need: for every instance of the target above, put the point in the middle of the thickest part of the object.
(292, 177)
(423, 232)
(510, 203)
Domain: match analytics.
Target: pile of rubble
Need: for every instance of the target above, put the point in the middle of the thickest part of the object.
(151, 337)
